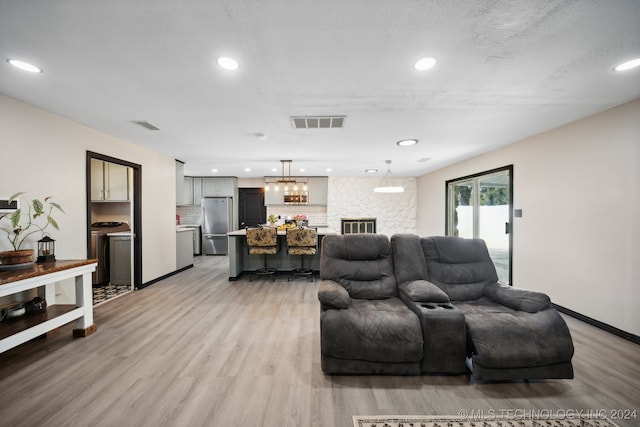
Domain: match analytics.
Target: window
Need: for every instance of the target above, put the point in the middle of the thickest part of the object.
(481, 206)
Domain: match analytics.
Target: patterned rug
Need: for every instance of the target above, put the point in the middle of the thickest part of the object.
(457, 421)
(103, 293)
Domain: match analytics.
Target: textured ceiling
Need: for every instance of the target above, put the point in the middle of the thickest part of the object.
(506, 70)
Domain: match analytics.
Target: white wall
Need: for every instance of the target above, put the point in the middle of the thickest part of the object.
(350, 197)
(44, 155)
(579, 189)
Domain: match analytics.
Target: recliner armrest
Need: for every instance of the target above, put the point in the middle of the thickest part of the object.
(332, 295)
(516, 298)
(422, 291)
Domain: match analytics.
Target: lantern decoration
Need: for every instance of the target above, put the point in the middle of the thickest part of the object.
(46, 249)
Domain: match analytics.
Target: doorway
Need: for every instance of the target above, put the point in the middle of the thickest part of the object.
(135, 212)
(251, 209)
(481, 206)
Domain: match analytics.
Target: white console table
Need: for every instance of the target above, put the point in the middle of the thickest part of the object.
(16, 331)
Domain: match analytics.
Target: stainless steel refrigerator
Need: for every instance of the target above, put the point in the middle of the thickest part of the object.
(217, 214)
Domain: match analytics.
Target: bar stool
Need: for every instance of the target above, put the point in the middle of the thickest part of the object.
(263, 241)
(302, 241)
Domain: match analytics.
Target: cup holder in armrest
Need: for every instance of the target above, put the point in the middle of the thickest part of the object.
(435, 306)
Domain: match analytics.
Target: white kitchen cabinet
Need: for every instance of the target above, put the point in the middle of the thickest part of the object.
(184, 248)
(318, 189)
(273, 197)
(187, 191)
(180, 187)
(109, 182)
(218, 187)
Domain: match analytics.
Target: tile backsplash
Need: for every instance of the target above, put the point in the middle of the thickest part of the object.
(317, 215)
(190, 215)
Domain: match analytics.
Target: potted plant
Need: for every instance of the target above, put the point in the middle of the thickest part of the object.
(19, 225)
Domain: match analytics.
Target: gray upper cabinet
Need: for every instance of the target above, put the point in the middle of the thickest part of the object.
(109, 182)
(195, 188)
(218, 187)
(318, 189)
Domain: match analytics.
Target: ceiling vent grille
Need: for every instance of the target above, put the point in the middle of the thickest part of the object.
(146, 125)
(317, 122)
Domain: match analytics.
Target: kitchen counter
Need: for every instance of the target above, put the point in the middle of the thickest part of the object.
(240, 261)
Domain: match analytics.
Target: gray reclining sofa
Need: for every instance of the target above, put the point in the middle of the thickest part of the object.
(445, 299)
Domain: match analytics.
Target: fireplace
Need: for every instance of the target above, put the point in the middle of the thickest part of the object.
(357, 225)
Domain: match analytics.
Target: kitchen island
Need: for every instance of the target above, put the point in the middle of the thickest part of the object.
(240, 261)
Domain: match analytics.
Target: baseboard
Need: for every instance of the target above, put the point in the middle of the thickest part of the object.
(151, 282)
(598, 324)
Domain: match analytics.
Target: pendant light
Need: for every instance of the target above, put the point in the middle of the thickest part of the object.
(387, 186)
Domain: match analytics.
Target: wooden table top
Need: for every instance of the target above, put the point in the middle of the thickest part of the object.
(42, 269)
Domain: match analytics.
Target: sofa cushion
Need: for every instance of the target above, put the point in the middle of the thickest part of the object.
(372, 330)
(518, 339)
(423, 291)
(461, 267)
(333, 295)
(409, 263)
(359, 262)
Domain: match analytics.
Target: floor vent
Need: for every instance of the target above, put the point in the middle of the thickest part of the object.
(317, 122)
(146, 125)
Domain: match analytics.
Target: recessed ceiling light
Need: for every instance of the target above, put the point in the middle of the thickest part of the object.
(329, 169)
(371, 170)
(24, 66)
(407, 142)
(214, 170)
(302, 169)
(423, 64)
(228, 63)
(247, 169)
(629, 65)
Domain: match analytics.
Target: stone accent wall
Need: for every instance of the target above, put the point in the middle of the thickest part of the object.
(351, 197)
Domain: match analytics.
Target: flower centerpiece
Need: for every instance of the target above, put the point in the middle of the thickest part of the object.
(24, 222)
(301, 220)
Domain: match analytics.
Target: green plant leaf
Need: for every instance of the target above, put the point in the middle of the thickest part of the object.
(57, 206)
(15, 218)
(15, 196)
(37, 207)
(53, 222)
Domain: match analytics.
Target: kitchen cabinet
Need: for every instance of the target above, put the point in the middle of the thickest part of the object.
(218, 187)
(184, 248)
(273, 197)
(180, 187)
(318, 189)
(109, 182)
(195, 188)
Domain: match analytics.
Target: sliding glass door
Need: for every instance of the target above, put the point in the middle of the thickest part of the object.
(481, 206)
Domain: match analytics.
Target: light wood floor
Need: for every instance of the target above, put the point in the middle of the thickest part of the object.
(198, 350)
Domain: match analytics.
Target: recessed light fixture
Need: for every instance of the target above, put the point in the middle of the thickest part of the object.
(302, 169)
(407, 142)
(371, 170)
(247, 169)
(329, 169)
(274, 170)
(228, 63)
(423, 64)
(214, 170)
(24, 66)
(628, 65)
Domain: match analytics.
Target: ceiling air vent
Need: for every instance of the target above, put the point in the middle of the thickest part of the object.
(317, 122)
(146, 125)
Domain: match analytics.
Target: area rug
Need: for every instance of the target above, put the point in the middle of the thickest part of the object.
(457, 421)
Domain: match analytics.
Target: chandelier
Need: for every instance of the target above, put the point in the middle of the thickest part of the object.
(387, 185)
(285, 181)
